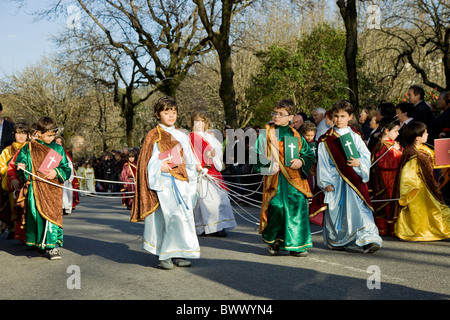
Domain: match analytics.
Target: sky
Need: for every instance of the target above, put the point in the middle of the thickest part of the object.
(22, 40)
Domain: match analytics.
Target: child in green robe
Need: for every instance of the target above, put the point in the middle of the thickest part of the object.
(284, 222)
(44, 209)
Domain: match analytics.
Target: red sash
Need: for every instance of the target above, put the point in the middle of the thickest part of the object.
(335, 151)
(200, 147)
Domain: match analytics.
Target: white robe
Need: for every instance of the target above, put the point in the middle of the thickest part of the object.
(81, 181)
(347, 221)
(213, 211)
(89, 181)
(169, 232)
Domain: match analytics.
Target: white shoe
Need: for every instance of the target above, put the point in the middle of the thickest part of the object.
(54, 254)
(166, 264)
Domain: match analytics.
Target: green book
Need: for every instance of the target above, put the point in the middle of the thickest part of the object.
(291, 150)
(313, 147)
(349, 146)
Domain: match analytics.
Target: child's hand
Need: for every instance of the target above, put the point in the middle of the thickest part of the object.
(51, 175)
(211, 154)
(21, 166)
(396, 145)
(329, 188)
(165, 167)
(296, 164)
(199, 167)
(353, 163)
(15, 184)
(273, 169)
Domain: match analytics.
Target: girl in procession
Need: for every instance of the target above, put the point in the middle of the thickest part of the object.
(213, 212)
(385, 160)
(421, 214)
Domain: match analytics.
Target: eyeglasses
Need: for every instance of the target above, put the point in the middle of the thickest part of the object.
(276, 114)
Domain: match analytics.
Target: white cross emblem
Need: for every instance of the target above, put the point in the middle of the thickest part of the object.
(292, 147)
(169, 158)
(52, 159)
(348, 144)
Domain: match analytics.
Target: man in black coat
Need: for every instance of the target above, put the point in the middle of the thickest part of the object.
(422, 111)
(7, 131)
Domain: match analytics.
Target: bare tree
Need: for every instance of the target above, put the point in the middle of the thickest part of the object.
(217, 18)
(418, 35)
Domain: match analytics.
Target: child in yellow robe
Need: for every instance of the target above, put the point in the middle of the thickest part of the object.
(421, 213)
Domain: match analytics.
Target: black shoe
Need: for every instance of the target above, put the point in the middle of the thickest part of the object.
(41, 252)
(336, 248)
(299, 254)
(371, 248)
(220, 233)
(273, 249)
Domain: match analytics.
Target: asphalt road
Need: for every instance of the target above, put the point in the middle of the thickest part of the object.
(102, 259)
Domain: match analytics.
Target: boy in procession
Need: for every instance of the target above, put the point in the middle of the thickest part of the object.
(349, 215)
(284, 222)
(44, 216)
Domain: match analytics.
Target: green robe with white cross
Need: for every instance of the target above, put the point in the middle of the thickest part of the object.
(40, 231)
(284, 212)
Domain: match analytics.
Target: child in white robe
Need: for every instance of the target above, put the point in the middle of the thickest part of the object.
(169, 230)
(213, 213)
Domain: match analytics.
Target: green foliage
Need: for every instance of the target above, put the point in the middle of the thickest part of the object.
(313, 75)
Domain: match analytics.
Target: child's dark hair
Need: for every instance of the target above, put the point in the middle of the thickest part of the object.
(45, 124)
(342, 105)
(413, 130)
(21, 127)
(387, 124)
(287, 104)
(165, 103)
(405, 107)
(387, 109)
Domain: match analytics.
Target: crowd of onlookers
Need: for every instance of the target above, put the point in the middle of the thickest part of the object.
(107, 167)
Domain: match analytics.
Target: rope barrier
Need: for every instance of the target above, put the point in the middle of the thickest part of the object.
(108, 181)
(72, 189)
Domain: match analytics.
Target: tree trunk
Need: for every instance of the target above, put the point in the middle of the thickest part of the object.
(220, 41)
(226, 91)
(349, 14)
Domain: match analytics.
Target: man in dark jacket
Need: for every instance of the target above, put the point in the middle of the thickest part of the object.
(7, 132)
(422, 111)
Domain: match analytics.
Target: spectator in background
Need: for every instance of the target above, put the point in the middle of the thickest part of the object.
(404, 112)
(319, 120)
(365, 117)
(297, 121)
(6, 131)
(422, 111)
(443, 121)
(384, 110)
(109, 170)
